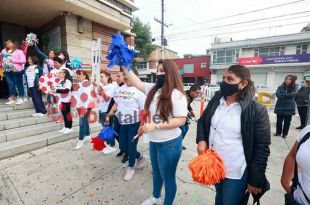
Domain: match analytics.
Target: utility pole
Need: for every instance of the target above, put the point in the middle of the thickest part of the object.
(163, 25)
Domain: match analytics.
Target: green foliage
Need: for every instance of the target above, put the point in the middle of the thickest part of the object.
(143, 38)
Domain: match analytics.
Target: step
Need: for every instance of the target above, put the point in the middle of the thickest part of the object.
(21, 122)
(19, 146)
(31, 130)
(26, 105)
(15, 114)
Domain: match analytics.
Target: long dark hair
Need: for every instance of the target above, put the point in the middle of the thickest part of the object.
(67, 77)
(292, 86)
(34, 59)
(66, 54)
(243, 73)
(172, 81)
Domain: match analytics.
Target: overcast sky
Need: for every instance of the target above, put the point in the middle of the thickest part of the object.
(194, 23)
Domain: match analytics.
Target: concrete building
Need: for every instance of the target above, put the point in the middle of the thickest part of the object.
(270, 59)
(147, 68)
(67, 25)
(194, 69)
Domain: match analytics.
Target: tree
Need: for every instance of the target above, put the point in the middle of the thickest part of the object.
(143, 38)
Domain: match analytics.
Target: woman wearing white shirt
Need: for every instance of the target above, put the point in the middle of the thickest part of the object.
(105, 92)
(129, 102)
(302, 157)
(238, 129)
(84, 106)
(167, 105)
(63, 90)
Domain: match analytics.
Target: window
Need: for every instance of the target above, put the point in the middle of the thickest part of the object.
(272, 51)
(142, 65)
(188, 68)
(301, 49)
(203, 65)
(121, 6)
(225, 56)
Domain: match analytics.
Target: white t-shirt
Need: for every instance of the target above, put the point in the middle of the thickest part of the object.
(130, 101)
(225, 138)
(109, 90)
(31, 72)
(303, 162)
(179, 109)
(66, 96)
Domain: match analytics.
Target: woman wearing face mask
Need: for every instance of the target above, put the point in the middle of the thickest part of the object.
(238, 129)
(285, 105)
(302, 101)
(166, 105)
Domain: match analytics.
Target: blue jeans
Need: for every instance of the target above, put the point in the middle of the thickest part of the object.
(84, 125)
(127, 133)
(231, 191)
(164, 159)
(9, 77)
(184, 130)
(18, 81)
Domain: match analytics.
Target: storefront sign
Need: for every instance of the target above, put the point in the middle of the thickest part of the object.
(275, 59)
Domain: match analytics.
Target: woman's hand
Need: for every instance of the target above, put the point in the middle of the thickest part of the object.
(202, 147)
(148, 127)
(254, 190)
(107, 119)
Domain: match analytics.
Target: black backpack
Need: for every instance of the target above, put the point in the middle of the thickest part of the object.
(289, 198)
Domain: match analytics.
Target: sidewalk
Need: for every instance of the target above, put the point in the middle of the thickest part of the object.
(59, 175)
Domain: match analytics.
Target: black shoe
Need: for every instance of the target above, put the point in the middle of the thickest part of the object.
(300, 127)
(277, 134)
(125, 158)
(121, 153)
(184, 148)
(284, 136)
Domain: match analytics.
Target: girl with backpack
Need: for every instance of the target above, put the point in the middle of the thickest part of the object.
(296, 169)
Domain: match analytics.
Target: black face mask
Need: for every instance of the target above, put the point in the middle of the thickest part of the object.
(160, 81)
(229, 89)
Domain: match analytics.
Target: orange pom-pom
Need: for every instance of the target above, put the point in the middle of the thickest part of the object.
(207, 168)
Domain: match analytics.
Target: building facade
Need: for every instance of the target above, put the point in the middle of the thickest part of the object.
(67, 25)
(148, 68)
(269, 59)
(194, 69)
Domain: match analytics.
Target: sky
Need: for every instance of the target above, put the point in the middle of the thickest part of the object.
(193, 24)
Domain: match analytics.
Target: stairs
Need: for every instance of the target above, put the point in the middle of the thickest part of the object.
(20, 132)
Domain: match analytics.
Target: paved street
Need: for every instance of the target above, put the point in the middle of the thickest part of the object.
(58, 175)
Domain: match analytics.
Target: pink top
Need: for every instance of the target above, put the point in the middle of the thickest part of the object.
(18, 59)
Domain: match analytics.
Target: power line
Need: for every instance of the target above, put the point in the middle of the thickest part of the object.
(181, 15)
(238, 23)
(260, 28)
(247, 12)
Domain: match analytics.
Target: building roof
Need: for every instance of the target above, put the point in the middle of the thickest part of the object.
(265, 41)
